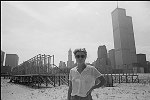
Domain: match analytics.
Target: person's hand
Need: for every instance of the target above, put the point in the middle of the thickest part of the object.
(89, 92)
(102, 86)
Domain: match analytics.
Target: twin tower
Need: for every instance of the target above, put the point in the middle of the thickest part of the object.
(124, 43)
(123, 57)
(124, 54)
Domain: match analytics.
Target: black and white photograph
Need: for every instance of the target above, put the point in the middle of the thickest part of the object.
(75, 50)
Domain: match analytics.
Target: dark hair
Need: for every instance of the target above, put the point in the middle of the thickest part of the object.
(80, 50)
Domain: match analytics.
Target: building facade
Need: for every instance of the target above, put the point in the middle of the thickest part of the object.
(2, 57)
(62, 64)
(102, 52)
(124, 43)
(141, 63)
(111, 56)
(102, 63)
(141, 60)
(102, 55)
(11, 60)
(70, 63)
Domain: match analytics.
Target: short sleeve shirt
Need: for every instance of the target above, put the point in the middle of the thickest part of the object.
(82, 83)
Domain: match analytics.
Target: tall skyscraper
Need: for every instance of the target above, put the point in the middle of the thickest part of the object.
(70, 63)
(2, 57)
(102, 63)
(69, 55)
(11, 60)
(102, 52)
(124, 43)
(102, 55)
(111, 56)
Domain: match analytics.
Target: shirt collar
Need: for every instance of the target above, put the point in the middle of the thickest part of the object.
(84, 69)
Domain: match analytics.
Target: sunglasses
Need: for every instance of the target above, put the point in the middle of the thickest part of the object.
(80, 56)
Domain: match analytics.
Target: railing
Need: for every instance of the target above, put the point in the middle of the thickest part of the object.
(121, 78)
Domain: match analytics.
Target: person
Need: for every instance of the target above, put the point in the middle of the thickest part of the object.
(83, 78)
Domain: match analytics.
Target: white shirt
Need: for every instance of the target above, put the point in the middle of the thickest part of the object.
(82, 83)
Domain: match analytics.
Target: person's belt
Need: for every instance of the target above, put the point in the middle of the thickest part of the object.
(76, 96)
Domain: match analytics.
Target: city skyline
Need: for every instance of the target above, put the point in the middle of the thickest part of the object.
(31, 28)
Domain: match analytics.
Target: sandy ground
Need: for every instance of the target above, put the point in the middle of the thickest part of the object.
(124, 91)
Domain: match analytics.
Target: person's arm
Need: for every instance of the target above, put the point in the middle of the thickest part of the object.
(69, 90)
(100, 84)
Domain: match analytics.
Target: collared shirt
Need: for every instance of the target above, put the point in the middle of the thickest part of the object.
(82, 83)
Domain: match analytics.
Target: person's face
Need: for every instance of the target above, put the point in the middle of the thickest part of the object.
(80, 57)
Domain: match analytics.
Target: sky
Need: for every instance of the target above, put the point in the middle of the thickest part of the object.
(29, 28)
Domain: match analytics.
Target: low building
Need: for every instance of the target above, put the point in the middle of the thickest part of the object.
(11, 60)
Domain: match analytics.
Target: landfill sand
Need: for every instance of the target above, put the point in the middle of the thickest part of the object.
(123, 91)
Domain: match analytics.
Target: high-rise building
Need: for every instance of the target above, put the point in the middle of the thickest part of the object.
(141, 60)
(69, 55)
(2, 57)
(102, 63)
(62, 64)
(102, 52)
(141, 63)
(70, 63)
(124, 43)
(11, 60)
(102, 55)
(111, 55)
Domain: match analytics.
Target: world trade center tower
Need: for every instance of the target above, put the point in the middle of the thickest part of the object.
(124, 43)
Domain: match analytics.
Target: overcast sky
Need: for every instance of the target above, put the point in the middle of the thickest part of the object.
(52, 28)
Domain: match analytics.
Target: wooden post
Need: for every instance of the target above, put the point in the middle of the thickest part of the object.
(38, 81)
(111, 80)
(30, 67)
(53, 59)
(138, 79)
(40, 64)
(46, 81)
(126, 78)
(59, 79)
(49, 57)
(45, 68)
(42, 67)
(108, 82)
(132, 78)
(35, 64)
(54, 80)
(68, 80)
(119, 78)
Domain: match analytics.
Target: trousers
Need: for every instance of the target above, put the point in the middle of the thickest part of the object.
(88, 97)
